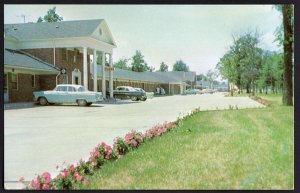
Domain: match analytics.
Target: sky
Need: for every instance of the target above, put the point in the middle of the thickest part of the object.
(199, 35)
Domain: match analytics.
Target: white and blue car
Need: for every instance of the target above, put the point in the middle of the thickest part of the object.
(68, 93)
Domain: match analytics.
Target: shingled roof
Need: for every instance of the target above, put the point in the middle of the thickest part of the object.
(15, 58)
(159, 77)
(49, 30)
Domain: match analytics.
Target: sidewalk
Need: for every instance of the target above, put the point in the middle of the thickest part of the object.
(20, 105)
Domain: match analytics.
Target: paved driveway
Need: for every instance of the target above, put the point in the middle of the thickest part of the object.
(37, 139)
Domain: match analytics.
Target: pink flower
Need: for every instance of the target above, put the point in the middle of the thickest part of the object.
(72, 167)
(57, 167)
(80, 161)
(94, 163)
(79, 178)
(47, 177)
(134, 143)
(66, 174)
(21, 180)
(86, 183)
(46, 187)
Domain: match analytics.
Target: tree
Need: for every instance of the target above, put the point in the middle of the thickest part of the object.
(163, 67)
(51, 16)
(287, 95)
(138, 63)
(201, 77)
(122, 64)
(242, 62)
(211, 76)
(180, 66)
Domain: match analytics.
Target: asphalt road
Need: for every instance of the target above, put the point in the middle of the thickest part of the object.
(37, 139)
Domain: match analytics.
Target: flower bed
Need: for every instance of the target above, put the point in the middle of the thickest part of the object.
(261, 100)
(72, 176)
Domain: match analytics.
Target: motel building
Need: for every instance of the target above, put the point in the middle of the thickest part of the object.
(38, 56)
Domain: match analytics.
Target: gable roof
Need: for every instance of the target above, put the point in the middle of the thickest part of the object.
(50, 30)
(15, 58)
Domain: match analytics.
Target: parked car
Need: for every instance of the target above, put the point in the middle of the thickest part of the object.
(68, 93)
(128, 92)
(143, 98)
(159, 91)
(207, 91)
(192, 91)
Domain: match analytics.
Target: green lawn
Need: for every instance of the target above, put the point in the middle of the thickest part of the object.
(232, 149)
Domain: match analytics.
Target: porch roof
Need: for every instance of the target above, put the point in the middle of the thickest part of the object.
(16, 58)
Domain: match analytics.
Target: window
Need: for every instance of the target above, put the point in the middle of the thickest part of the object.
(33, 81)
(81, 89)
(74, 59)
(65, 79)
(14, 81)
(76, 80)
(100, 31)
(107, 59)
(64, 54)
(71, 89)
(62, 88)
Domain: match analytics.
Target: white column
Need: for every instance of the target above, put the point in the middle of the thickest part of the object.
(95, 71)
(85, 69)
(111, 83)
(103, 76)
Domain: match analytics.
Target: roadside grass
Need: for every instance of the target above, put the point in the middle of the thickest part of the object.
(231, 149)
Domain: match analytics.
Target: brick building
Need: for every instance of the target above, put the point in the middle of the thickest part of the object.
(36, 53)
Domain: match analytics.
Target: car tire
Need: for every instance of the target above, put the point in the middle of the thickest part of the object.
(143, 99)
(88, 104)
(43, 101)
(134, 98)
(51, 103)
(81, 102)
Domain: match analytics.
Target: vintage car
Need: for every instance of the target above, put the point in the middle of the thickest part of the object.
(143, 98)
(68, 93)
(127, 92)
(211, 91)
(192, 91)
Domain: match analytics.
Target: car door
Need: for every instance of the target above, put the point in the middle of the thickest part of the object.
(61, 94)
(71, 95)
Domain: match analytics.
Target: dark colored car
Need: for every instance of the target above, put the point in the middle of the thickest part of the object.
(143, 98)
(127, 92)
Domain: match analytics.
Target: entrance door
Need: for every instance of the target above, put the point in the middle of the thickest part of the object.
(5, 81)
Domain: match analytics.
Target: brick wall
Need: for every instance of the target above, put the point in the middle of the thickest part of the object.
(64, 59)
(24, 93)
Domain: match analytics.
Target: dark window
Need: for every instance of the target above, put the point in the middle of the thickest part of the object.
(76, 80)
(64, 54)
(33, 81)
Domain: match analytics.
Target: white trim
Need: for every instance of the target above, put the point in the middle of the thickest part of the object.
(85, 68)
(28, 69)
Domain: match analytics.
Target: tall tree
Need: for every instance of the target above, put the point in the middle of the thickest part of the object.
(180, 66)
(211, 76)
(122, 64)
(138, 63)
(51, 16)
(163, 67)
(287, 13)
